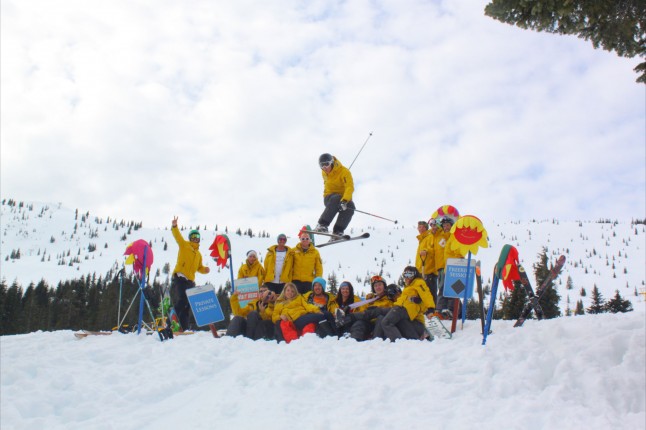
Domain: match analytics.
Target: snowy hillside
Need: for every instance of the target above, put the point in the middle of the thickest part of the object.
(586, 372)
(56, 243)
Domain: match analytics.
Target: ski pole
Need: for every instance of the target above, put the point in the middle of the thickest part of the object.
(376, 216)
(357, 156)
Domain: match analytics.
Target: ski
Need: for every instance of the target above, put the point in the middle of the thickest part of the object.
(435, 326)
(324, 233)
(535, 297)
(85, 333)
(364, 302)
(343, 240)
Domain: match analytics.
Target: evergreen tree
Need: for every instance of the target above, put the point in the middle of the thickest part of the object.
(579, 308)
(613, 25)
(550, 300)
(473, 309)
(618, 304)
(598, 303)
(11, 312)
(332, 283)
(514, 303)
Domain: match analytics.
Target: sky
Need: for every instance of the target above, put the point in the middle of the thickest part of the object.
(216, 112)
(584, 372)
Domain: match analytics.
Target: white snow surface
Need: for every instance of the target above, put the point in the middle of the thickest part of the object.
(585, 372)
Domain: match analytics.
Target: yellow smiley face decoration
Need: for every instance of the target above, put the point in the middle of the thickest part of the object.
(469, 234)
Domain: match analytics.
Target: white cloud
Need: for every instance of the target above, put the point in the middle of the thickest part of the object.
(217, 112)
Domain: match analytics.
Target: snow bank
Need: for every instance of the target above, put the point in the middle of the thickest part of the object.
(578, 372)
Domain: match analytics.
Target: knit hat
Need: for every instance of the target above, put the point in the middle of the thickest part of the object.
(252, 252)
(319, 280)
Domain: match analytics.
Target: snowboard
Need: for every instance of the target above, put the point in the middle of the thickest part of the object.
(435, 326)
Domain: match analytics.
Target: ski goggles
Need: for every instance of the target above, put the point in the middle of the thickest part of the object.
(325, 164)
(345, 284)
(194, 236)
(408, 274)
(377, 278)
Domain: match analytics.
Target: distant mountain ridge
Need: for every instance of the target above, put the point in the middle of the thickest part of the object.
(54, 243)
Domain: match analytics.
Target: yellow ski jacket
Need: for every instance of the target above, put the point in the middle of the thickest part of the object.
(294, 309)
(270, 265)
(255, 269)
(426, 242)
(189, 259)
(338, 181)
(303, 265)
(417, 288)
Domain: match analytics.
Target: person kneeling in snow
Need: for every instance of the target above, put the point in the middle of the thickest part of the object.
(254, 320)
(293, 316)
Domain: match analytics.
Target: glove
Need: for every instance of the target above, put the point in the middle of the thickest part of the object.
(415, 300)
(343, 206)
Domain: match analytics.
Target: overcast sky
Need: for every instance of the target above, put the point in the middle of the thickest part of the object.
(217, 111)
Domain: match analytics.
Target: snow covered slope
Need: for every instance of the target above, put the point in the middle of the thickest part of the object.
(56, 243)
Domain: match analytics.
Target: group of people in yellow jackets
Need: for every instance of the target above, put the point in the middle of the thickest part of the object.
(293, 300)
(388, 312)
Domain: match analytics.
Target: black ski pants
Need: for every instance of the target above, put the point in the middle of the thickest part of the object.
(178, 287)
(397, 325)
(332, 204)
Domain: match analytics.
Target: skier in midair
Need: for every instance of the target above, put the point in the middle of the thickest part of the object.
(338, 187)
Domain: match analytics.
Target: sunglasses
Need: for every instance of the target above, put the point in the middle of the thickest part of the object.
(282, 239)
(325, 164)
(303, 239)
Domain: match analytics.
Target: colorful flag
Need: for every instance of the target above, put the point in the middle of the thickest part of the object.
(220, 250)
(135, 253)
(508, 267)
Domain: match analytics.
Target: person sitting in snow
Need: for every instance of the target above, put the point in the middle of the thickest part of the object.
(251, 267)
(293, 316)
(254, 320)
(326, 302)
(189, 261)
(303, 263)
(406, 318)
(365, 322)
(338, 187)
(345, 297)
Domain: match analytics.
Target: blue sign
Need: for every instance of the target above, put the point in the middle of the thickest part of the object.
(247, 289)
(205, 305)
(455, 278)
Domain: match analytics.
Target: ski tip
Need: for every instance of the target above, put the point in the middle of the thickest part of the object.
(365, 235)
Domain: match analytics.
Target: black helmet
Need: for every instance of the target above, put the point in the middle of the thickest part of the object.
(410, 272)
(376, 279)
(326, 160)
(392, 290)
(447, 219)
